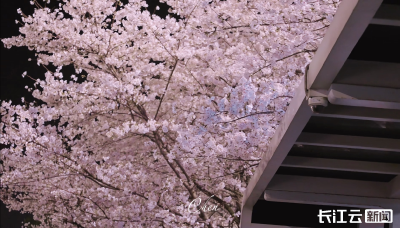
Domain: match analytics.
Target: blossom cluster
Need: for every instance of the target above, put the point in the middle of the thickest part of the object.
(170, 109)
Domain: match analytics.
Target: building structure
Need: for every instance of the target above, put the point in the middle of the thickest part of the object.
(338, 144)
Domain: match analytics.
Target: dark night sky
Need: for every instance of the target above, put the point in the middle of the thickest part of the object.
(14, 62)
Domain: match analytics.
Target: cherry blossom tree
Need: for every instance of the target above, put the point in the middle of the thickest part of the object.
(172, 111)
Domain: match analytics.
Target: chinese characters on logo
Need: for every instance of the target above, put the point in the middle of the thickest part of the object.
(371, 216)
(378, 216)
(331, 217)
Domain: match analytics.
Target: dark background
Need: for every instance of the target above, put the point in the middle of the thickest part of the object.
(14, 62)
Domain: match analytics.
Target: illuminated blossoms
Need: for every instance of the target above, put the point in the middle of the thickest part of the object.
(171, 110)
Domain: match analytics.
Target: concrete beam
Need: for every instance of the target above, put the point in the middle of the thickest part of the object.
(361, 113)
(342, 165)
(378, 21)
(387, 14)
(350, 22)
(347, 141)
(369, 73)
(395, 187)
(320, 185)
(329, 199)
(364, 96)
(293, 122)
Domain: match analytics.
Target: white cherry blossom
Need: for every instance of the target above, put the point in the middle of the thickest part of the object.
(169, 111)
